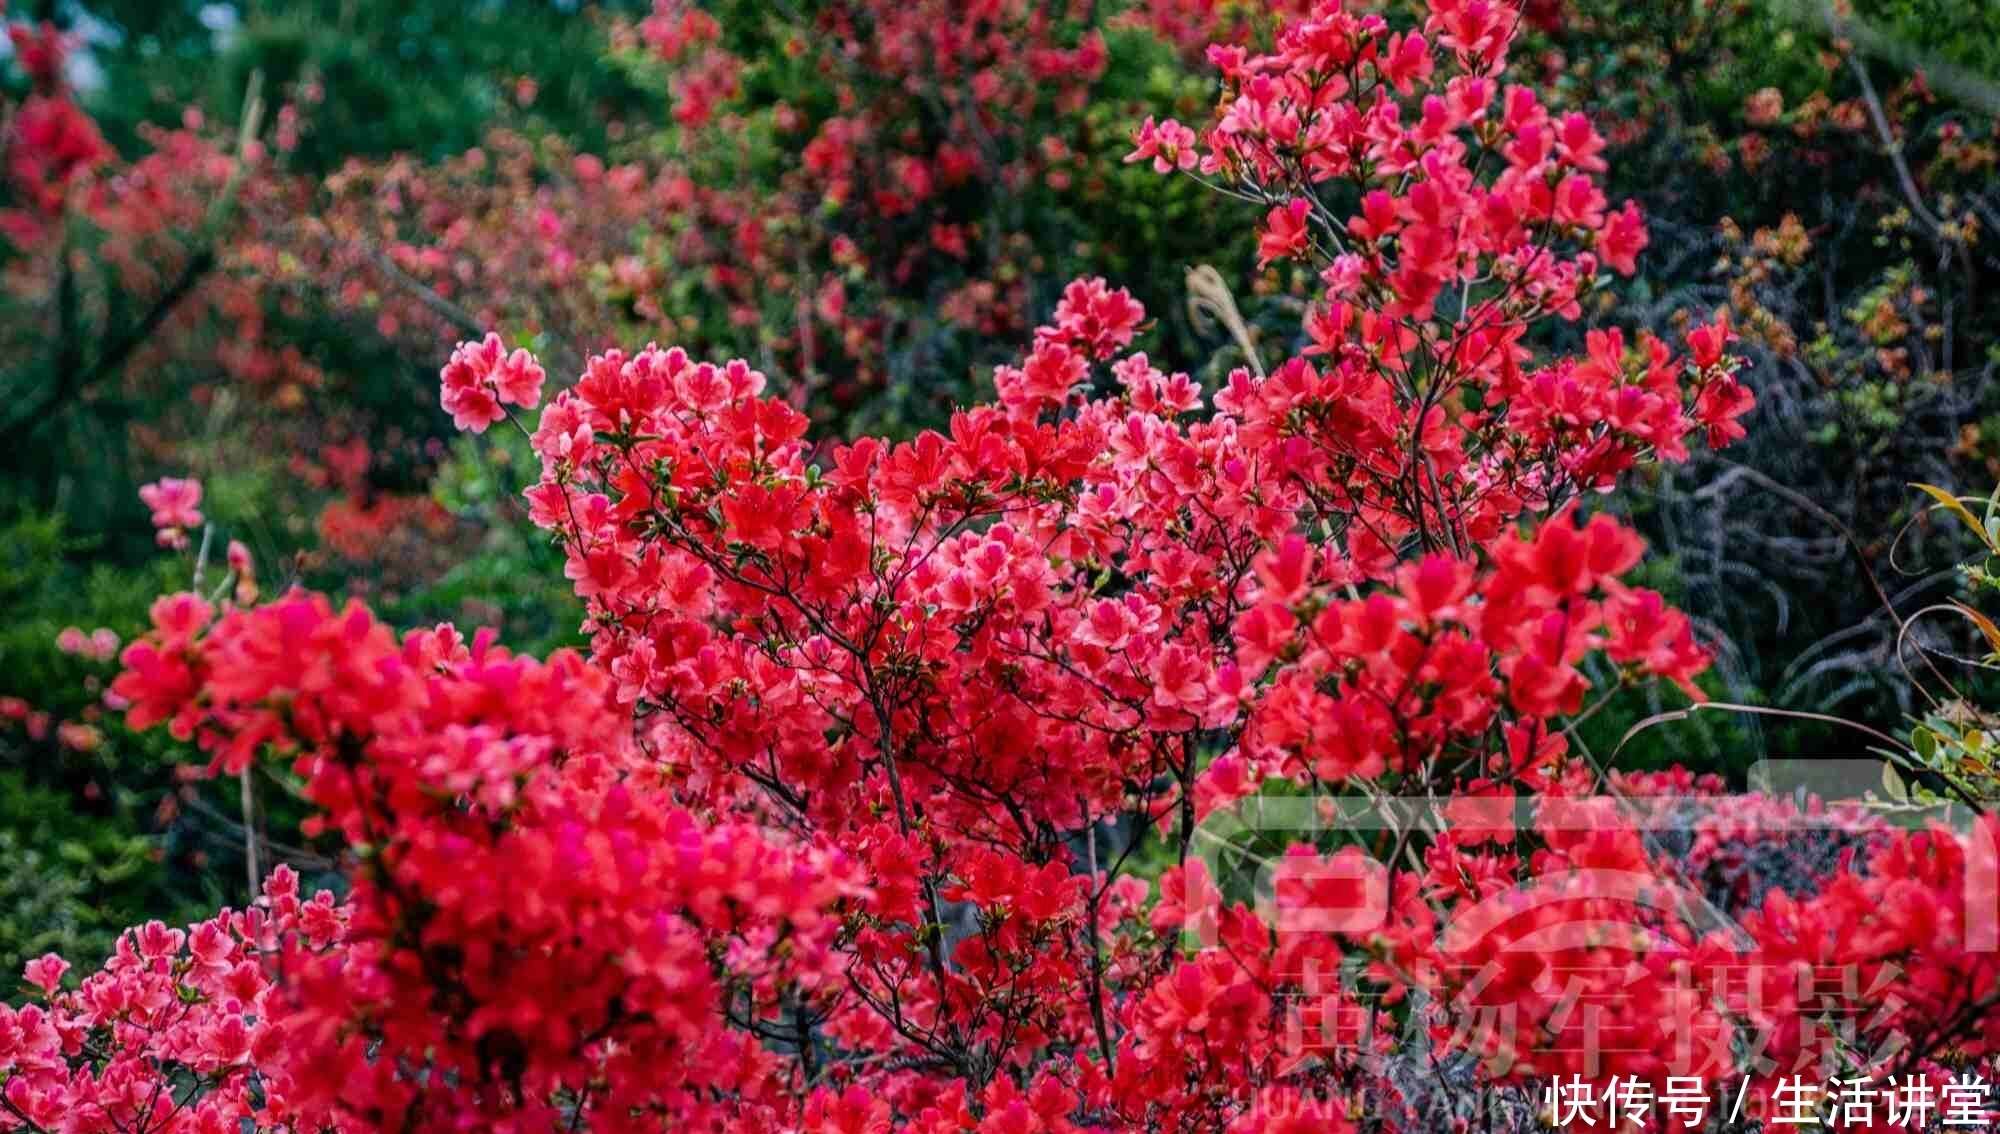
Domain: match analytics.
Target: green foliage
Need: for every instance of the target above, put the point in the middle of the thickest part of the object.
(425, 77)
(110, 842)
(514, 581)
(1961, 33)
(50, 579)
(76, 861)
(70, 882)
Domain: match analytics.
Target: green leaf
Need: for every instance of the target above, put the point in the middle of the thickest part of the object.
(1892, 784)
(1925, 742)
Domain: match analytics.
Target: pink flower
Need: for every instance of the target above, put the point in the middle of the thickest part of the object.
(176, 507)
(1284, 235)
(78, 737)
(483, 376)
(46, 972)
(1170, 145)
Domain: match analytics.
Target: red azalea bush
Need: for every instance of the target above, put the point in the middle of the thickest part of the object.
(164, 225)
(839, 824)
(136, 285)
(816, 220)
(171, 287)
(868, 196)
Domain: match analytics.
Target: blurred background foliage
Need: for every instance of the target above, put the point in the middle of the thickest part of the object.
(1827, 175)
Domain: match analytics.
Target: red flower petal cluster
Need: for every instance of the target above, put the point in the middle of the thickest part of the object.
(482, 378)
(531, 912)
(835, 825)
(180, 1030)
(176, 506)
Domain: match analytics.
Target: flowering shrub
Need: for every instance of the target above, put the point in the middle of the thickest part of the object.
(176, 1031)
(869, 197)
(520, 859)
(838, 824)
(1866, 335)
(126, 282)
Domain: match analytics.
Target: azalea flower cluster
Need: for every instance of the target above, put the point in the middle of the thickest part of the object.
(906, 136)
(483, 378)
(50, 142)
(1070, 607)
(175, 503)
(1445, 212)
(150, 212)
(180, 1030)
(837, 825)
(535, 927)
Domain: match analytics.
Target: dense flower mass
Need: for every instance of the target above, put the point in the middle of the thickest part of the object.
(531, 912)
(171, 1010)
(902, 781)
